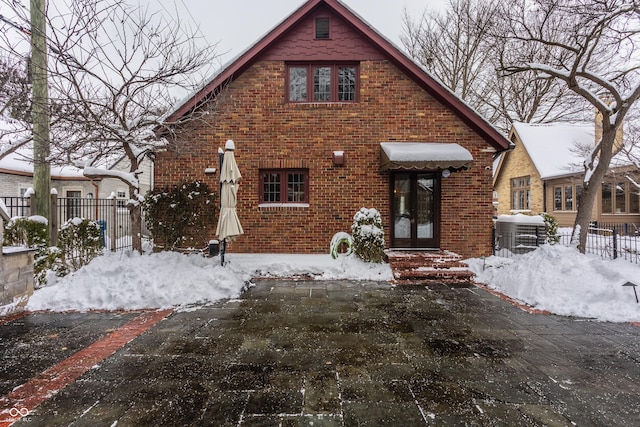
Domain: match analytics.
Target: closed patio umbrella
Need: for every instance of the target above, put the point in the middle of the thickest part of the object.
(229, 226)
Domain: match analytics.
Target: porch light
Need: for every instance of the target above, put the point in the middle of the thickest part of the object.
(338, 158)
(446, 173)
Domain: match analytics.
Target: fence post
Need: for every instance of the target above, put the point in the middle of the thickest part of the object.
(615, 242)
(493, 240)
(112, 221)
(54, 218)
(32, 203)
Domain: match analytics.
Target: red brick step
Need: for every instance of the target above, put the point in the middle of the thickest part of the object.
(428, 267)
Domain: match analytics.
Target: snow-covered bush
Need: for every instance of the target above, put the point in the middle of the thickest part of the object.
(32, 232)
(367, 234)
(49, 261)
(550, 229)
(79, 241)
(176, 216)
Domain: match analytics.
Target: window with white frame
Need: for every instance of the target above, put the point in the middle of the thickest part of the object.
(521, 193)
(121, 198)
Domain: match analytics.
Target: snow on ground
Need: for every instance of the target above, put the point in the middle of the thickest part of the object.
(553, 278)
(120, 280)
(562, 281)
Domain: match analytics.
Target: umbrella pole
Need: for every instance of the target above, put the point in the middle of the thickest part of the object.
(223, 243)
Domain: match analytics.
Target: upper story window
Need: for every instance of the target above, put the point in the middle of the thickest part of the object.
(322, 82)
(520, 190)
(322, 29)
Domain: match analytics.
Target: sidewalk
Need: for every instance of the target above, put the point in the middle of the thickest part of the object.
(335, 354)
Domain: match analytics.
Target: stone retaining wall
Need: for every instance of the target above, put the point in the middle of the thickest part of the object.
(16, 277)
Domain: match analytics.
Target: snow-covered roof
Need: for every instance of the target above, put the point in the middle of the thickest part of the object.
(554, 148)
(21, 161)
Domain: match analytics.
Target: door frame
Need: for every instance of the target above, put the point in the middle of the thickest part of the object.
(414, 242)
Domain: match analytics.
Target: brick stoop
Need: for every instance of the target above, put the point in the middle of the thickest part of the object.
(428, 267)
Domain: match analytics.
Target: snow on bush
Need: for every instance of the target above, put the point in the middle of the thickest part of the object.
(176, 214)
(550, 228)
(31, 232)
(368, 237)
(80, 241)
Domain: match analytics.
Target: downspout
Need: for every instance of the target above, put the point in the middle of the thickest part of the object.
(544, 196)
(95, 205)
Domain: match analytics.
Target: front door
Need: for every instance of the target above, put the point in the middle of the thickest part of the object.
(415, 210)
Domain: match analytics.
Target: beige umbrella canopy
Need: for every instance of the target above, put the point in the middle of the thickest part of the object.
(229, 226)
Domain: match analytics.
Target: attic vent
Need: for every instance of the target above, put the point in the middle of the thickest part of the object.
(322, 28)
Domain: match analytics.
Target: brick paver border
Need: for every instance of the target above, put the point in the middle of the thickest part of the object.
(23, 399)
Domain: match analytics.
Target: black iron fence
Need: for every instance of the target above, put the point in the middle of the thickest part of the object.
(609, 241)
(111, 214)
(18, 206)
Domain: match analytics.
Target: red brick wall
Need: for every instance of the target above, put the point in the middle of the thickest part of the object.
(266, 129)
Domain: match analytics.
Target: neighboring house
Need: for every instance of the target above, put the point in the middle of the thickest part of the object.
(328, 117)
(16, 176)
(545, 173)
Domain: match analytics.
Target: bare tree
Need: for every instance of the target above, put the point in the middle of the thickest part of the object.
(590, 47)
(464, 47)
(115, 71)
(15, 104)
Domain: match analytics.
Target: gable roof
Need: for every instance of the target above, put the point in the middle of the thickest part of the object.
(554, 148)
(241, 63)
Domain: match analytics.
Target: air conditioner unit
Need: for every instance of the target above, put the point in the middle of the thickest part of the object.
(519, 233)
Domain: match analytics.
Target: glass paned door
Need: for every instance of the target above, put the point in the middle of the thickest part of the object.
(424, 206)
(415, 202)
(402, 207)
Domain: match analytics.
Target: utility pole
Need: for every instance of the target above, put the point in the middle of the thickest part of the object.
(40, 112)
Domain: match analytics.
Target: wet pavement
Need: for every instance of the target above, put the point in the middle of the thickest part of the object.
(334, 354)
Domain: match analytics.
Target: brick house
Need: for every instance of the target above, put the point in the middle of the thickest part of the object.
(545, 173)
(327, 117)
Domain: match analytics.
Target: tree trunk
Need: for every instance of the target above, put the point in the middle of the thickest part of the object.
(589, 195)
(135, 215)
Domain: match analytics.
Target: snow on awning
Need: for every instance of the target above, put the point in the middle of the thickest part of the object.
(423, 156)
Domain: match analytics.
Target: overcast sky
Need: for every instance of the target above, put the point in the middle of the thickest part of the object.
(237, 24)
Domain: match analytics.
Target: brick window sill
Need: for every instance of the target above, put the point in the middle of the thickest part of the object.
(283, 206)
(334, 104)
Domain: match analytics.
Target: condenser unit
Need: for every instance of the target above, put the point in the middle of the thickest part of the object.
(519, 233)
